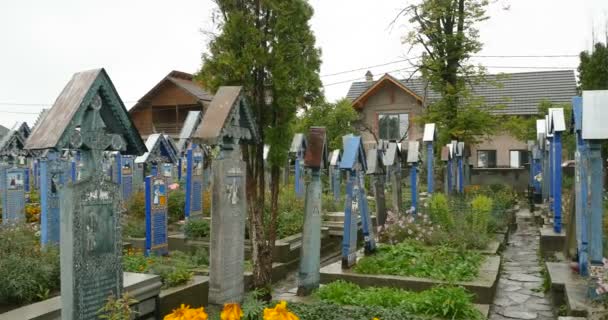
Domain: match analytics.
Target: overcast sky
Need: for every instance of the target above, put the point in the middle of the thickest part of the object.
(42, 43)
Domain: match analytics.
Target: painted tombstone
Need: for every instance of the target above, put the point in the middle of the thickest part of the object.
(445, 157)
(170, 169)
(557, 126)
(375, 168)
(297, 149)
(428, 138)
(392, 162)
(126, 172)
(51, 177)
(194, 182)
(89, 116)
(315, 159)
(230, 124)
(413, 157)
(334, 174)
(156, 216)
(13, 177)
(594, 130)
(159, 154)
(460, 155)
(184, 142)
(354, 164)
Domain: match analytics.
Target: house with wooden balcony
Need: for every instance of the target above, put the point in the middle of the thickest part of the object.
(165, 107)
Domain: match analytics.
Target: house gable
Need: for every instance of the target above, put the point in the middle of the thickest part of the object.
(384, 83)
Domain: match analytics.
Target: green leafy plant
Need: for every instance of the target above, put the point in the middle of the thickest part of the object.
(118, 309)
(440, 211)
(411, 258)
(480, 214)
(28, 273)
(136, 205)
(197, 228)
(176, 205)
(438, 302)
(174, 270)
(133, 227)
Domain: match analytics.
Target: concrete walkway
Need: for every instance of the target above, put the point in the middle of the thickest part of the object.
(519, 294)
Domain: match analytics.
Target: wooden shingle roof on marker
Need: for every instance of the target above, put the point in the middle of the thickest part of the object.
(61, 121)
(226, 100)
(316, 152)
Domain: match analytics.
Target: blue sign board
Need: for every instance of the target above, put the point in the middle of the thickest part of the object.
(156, 216)
(51, 177)
(13, 197)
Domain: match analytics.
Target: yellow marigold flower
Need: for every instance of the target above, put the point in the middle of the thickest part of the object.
(376, 318)
(196, 314)
(279, 312)
(178, 314)
(232, 311)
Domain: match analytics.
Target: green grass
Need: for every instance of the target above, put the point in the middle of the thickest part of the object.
(438, 302)
(414, 259)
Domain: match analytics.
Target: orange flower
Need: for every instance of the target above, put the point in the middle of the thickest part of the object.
(279, 312)
(178, 313)
(232, 311)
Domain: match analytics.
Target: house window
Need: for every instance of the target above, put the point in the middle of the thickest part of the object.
(486, 158)
(393, 126)
(518, 158)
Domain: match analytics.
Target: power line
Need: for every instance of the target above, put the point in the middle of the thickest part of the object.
(474, 56)
(368, 67)
(361, 78)
(19, 112)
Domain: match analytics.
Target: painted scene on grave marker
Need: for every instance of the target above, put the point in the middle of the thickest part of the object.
(156, 216)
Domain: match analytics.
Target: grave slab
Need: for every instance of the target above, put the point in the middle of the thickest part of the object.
(483, 287)
(145, 288)
(551, 242)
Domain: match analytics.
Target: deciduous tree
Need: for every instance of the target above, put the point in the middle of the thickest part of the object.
(266, 46)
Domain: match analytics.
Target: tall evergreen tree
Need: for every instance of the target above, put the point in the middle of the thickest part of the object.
(593, 68)
(266, 46)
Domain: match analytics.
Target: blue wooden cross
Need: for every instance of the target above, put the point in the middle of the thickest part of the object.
(334, 168)
(594, 130)
(413, 156)
(557, 126)
(581, 157)
(298, 148)
(428, 138)
(354, 163)
(194, 181)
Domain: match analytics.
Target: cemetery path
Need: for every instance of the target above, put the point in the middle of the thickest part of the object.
(520, 289)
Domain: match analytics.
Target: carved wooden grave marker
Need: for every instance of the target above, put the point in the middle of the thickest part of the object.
(392, 162)
(354, 163)
(194, 182)
(159, 153)
(413, 156)
(557, 125)
(298, 148)
(376, 168)
(89, 116)
(13, 173)
(594, 130)
(51, 173)
(310, 261)
(428, 138)
(334, 173)
(230, 124)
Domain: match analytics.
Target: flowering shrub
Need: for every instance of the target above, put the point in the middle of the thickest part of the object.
(32, 212)
(184, 312)
(398, 228)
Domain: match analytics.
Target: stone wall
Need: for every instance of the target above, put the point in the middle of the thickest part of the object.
(517, 178)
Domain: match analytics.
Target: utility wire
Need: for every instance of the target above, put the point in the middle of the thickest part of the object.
(474, 56)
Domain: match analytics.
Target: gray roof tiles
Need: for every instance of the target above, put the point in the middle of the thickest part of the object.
(521, 93)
